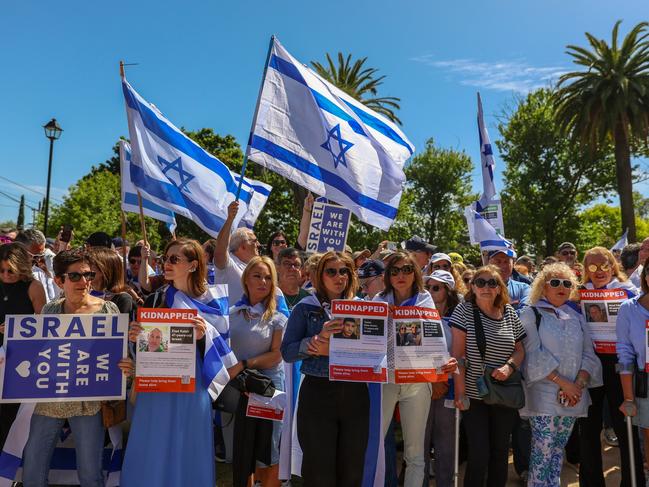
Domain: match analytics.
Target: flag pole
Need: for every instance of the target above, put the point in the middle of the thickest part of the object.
(142, 224)
(124, 245)
(254, 118)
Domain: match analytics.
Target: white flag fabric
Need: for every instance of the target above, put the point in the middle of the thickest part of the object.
(623, 242)
(487, 162)
(129, 192)
(316, 135)
(482, 233)
(174, 172)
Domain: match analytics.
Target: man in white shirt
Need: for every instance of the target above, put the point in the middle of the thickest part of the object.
(232, 254)
(34, 242)
(642, 256)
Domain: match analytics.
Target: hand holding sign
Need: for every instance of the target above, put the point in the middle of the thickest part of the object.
(200, 326)
(134, 330)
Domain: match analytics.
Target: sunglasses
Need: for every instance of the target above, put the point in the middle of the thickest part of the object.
(568, 252)
(480, 283)
(603, 267)
(6, 271)
(76, 276)
(172, 259)
(277, 243)
(331, 272)
(435, 288)
(445, 266)
(567, 283)
(405, 270)
(134, 261)
(467, 280)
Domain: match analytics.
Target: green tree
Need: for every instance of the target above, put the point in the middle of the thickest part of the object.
(547, 178)
(600, 225)
(609, 100)
(438, 190)
(20, 221)
(359, 82)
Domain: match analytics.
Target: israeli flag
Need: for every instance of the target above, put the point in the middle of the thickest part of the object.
(482, 233)
(129, 192)
(174, 172)
(486, 161)
(623, 242)
(316, 135)
(213, 307)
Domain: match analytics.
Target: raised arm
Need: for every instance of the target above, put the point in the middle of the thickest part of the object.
(223, 239)
(303, 236)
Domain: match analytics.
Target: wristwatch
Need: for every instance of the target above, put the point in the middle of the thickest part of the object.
(512, 364)
(245, 364)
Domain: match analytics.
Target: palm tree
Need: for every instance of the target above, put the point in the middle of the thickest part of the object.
(609, 101)
(359, 82)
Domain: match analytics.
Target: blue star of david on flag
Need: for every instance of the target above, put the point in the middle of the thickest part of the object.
(343, 146)
(486, 150)
(177, 166)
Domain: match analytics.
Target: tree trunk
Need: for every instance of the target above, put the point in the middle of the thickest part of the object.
(624, 181)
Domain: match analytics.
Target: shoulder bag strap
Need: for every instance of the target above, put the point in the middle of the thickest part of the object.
(480, 339)
(537, 315)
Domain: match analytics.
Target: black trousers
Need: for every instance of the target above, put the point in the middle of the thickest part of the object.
(332, 427)
(590, 468)
(8, 412)
(488, 429)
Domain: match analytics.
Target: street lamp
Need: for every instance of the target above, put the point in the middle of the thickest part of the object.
(52, 132)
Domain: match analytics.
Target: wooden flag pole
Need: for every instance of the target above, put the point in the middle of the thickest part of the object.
(142, 224)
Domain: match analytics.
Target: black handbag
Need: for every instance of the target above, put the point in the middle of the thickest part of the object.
(248, 380)
(507, 393)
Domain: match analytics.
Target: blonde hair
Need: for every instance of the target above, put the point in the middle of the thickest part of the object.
(610, 258)
(352, 281)
(558, 270)
(311, 264)
(270, 302)
(18, 260)
(502, 298)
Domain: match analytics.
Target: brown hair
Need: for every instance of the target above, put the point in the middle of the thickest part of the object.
(352, 280)
(18, 259)
(269, 302)
(643, 276)
(193, 251)
(418, 283)
(502, 298)
(111, 266)
(610, 258)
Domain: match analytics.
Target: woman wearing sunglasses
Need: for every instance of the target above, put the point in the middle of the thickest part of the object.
(602, 271)
(440, 426)
(332, 417)
(560, 363)
(108, 283)
(404, 287)
(488, 427)
(276, 243)
(171, 441)
(73, 275)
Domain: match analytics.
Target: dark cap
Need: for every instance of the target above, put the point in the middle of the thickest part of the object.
(567, 245)
(118, 242)
(99, 239)
(416, 243)
(371, 268)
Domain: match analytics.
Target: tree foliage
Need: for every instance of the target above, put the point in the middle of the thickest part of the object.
(609, 100)
(548, 177)
(600, 225)
(359, 82)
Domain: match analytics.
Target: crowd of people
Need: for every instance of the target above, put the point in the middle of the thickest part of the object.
(506, 323)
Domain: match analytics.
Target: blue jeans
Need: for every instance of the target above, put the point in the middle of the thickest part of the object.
(44, 434)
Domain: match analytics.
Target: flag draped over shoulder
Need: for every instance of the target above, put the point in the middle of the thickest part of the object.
(174, 172)
(129, 192)
(213, 307)
(487, 162)
(316, 135)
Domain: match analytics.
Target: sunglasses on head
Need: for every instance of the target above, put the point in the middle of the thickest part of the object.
(405, 270)
(278, 242)
(76, 276)
(172, 259)
(567, 283)
(603, 267)
(331, 272)
(480, 283)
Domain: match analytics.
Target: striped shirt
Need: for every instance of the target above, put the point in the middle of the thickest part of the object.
(501, 337)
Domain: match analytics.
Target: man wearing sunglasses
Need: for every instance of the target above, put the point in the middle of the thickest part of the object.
(370, 275)
(34, 241)
(568, 254)
(233, 252)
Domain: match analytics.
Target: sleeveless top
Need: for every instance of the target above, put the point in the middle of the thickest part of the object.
(14, 300)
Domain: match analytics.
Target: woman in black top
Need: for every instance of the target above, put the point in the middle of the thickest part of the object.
(488, 427)
(20, 293)
(108, 283)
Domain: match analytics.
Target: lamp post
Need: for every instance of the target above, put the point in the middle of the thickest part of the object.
(52, 132)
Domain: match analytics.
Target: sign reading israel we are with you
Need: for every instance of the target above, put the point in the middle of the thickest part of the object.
(329, 227)
(63, 357)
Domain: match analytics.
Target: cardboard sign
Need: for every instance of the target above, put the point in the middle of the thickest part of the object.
(600, 307)
(66, 357)
(329, 227)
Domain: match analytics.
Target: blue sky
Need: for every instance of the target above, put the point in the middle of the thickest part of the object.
(201, 62)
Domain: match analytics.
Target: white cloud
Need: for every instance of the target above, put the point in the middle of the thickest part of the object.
(516, 75)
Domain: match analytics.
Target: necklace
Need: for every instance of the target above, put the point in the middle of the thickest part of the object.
(5, 297)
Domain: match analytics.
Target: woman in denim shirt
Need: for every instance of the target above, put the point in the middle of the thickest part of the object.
(559, 363)
(332, 417)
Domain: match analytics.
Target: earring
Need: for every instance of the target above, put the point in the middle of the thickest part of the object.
(192, 270)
